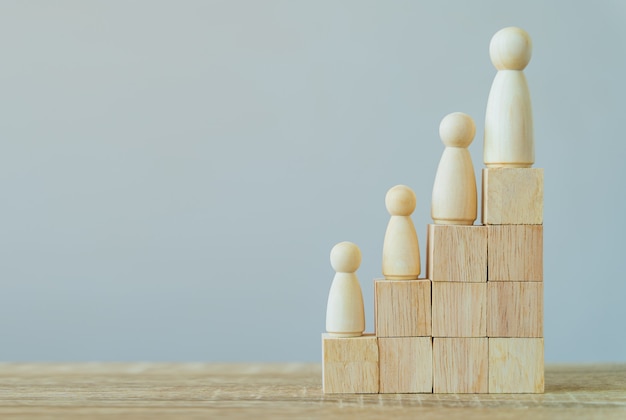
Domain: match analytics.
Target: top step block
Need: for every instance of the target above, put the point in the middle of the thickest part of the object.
(512, 196)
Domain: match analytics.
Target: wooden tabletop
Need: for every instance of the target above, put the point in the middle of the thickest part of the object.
(288, 390)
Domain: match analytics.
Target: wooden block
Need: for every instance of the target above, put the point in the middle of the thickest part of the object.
(406, 364)
(402, 308)
(515, 253)
(460, 365)
(459, 309)
(515, 309)
(516, 365)
(350, 365)
(512, 196)
(456, 253)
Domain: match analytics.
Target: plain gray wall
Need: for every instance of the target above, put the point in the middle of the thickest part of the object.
(174, 174)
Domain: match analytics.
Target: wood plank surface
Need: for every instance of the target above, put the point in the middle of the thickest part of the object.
(287, 390)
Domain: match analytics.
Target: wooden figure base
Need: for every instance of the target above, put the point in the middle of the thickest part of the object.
(460, 365)
(402, 308)
(459, 309)
(516, 365)
(350, 365)
(515, 253)
(512, 196)
(406, 365)
(456, 253)
(515, 309)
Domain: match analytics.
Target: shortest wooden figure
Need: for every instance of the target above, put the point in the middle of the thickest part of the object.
(345, 315)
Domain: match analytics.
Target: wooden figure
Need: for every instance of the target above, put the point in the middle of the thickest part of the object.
(401, 252)
(508, 120)
(345, 315)
(454, 192)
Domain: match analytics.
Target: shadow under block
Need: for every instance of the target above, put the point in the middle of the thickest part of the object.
(515, 309)
(350, 365)
(515, 253)
(459, 309)
(460, 365)
(406, 365)
(456, 253)
(402, 308)
(512, 196)
(516, 365)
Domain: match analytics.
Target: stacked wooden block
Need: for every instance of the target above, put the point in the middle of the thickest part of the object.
(487, 290)
(513, 216)
(457, 267)
(404, 329)
(475, 325)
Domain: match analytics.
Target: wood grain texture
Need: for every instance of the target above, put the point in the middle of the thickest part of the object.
(515, 253)
(350, 365)
(406, 365)
(281, 391)
(402, 308)
(515, 309)
(459, 309)
(460, 365)
(516, 365)
(456, 253)
(512, 196)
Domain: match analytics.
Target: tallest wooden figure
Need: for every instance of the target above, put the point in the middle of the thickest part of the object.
(508, 121)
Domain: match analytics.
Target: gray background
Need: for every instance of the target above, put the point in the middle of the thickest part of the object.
(173, 175)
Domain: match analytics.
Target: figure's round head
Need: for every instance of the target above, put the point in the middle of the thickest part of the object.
(400, 201)
(345, 257)
(457, 130)
(510, 49)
